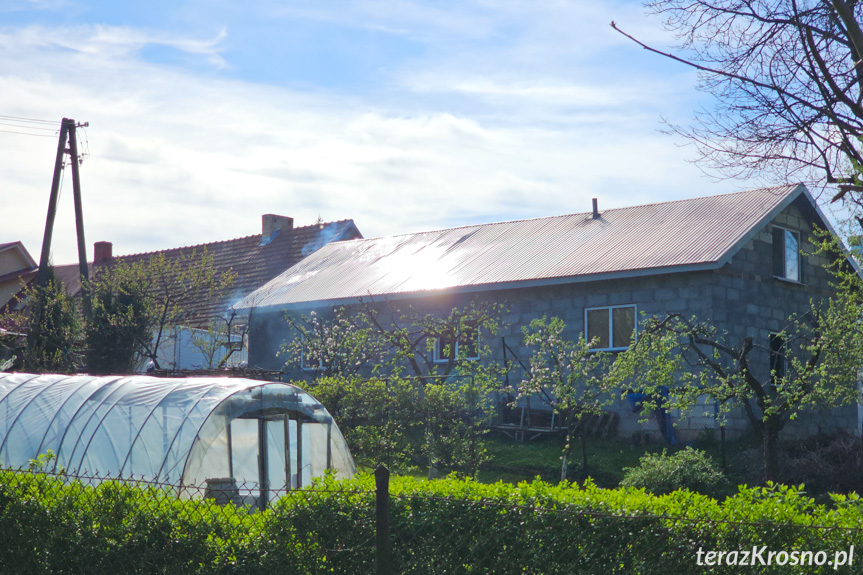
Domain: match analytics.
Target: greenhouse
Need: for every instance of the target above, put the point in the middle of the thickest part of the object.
(204, 431)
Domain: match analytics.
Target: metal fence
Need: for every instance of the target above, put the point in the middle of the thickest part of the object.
(95, 525)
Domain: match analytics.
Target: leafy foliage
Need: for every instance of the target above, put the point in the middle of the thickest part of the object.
(678, 361)
(565, 374)
(119, 323)
(54, 329)
(134, 304)
(660, 473)
(439, 417)
(56, 525)
(390, 341)
(343, 345)
(407, 423)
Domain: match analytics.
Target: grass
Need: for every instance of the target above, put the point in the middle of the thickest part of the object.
(512, 462)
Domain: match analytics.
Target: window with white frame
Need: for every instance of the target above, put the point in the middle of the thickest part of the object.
(786, 254)
(613, 327)
(465, 345)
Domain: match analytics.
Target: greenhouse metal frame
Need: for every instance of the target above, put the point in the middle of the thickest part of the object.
(179, 431)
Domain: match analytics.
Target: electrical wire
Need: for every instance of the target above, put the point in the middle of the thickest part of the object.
(85, 145)
(62, 178)
(28, 134)
(28, 126)
(19, 119)
(18, 125)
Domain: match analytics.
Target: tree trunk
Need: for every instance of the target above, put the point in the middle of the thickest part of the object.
(771, 450)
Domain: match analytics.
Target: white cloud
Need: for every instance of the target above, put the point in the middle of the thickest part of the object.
(180, 158)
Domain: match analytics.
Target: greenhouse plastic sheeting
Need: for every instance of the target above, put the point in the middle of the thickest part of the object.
(182, 430)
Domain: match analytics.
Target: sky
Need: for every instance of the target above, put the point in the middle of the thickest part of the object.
(403, 115)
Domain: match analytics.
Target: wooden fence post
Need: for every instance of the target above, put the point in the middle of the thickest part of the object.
(382, 520)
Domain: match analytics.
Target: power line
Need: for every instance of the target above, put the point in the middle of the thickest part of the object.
(28, 134)
(52, 122)
(19, 125)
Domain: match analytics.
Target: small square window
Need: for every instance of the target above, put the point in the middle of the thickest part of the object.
(464, 346)
(613, 327)
(786, 254)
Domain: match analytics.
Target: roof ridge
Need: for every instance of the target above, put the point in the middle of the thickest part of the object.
(323, 224)
(192, 246)
(790, 187)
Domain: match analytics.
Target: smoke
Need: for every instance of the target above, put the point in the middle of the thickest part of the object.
(329, 232)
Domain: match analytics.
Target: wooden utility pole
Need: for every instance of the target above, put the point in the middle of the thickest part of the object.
(42, 278)
(67, 131)
(79, 218)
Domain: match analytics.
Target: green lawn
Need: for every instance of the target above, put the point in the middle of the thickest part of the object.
(514, 462)
(606, 458)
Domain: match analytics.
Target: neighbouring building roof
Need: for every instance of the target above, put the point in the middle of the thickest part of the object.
(253, 259)
(686, 235)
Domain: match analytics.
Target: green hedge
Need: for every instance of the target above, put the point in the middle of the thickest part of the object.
(445, 526)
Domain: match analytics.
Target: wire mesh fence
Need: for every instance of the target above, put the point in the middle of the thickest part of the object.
(54, 523)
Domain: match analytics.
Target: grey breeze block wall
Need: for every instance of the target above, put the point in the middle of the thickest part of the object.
(742, 298)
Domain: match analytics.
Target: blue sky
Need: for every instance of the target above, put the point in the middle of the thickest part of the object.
(403, 115)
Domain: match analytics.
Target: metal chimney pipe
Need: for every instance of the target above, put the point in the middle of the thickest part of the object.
(595, 209)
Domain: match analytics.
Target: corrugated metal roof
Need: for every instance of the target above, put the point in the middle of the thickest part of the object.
(689, 234)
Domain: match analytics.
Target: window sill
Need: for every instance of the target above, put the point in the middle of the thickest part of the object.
(789, 281)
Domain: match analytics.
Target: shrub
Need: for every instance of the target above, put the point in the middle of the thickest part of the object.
(55, 525)
(688, 469)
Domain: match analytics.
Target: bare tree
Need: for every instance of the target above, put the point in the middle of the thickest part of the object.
(787, 81)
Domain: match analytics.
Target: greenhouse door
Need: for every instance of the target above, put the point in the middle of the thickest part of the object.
(277, 453)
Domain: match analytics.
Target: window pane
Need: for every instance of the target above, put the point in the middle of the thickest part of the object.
(777, 356)
(444, 348)
(468, 343)
(791, 256)
(597, 326)
(623, 325)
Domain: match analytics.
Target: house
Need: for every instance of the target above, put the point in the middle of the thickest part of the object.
(733, 259)
(16, 268)
(253, 260)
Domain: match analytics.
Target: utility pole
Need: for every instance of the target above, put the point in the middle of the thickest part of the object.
(67, 132)
(42, 278)
(79, 218)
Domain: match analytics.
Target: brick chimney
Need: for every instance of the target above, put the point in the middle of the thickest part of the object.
(272, 223)
(102, 252)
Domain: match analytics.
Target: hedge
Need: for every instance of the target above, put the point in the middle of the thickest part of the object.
(55, 525)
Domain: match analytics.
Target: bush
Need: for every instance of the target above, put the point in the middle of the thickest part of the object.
(688, 469)
(54, 525)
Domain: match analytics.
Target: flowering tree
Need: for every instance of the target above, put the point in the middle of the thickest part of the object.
(451, 389)
(815, 362)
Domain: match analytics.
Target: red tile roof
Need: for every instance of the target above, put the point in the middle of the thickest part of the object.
(253, 262)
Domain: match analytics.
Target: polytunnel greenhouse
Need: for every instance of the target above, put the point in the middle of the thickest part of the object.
(181, 431)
